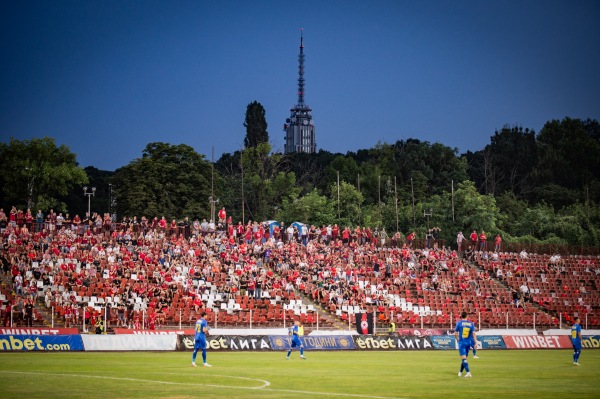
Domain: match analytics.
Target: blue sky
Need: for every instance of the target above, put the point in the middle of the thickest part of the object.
(108, 77)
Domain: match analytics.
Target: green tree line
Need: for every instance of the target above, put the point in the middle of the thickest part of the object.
(530, 187)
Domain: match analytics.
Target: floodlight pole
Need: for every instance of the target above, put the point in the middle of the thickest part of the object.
(110, 199)
(212, 203)
(396, 201)
(428, 215)
(89, 194)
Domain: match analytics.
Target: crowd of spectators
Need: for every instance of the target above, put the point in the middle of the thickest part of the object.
(147, 269)
(568, 286)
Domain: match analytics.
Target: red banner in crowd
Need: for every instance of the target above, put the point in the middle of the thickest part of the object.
(37, 331)
(537, 341)
(154, 332)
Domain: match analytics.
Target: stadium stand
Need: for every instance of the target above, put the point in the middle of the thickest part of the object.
(149, 274)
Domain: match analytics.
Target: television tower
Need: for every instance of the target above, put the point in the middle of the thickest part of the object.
(299, 127)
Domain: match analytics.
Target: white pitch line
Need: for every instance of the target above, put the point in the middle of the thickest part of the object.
(265, 383)
(264, 386)
(352, 395)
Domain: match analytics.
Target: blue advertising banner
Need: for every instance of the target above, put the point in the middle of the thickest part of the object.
(443, 341)
(485, 342)
(41, 343)
(491, 342)
(591, 342)
(317, 342)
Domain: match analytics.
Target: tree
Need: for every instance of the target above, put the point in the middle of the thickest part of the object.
(474, 210)
(256, 125)
(370, 175)
(348, 207)
(347, 168)
(513, 210)
(38, 174)
(568, 155)
(168, 180)
(265, 185)
(229, 177)
(434, 165)
(311, 208)
(514, 157)
(506, 163)
(310, 169)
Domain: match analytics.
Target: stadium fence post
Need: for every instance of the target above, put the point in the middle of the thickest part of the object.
(507, 320)
(421, 317)
(52, 317)
(349, 322)
(586, 326)
(317, 321)
(144, 319)
(560, 320)
(251, 319)
(479, 321)
(374, 321)
(180, 315)
(534, 320)
(83, 318)
(451, 319)
(105, 318)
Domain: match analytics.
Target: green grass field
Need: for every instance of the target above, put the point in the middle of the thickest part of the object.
(424, 374)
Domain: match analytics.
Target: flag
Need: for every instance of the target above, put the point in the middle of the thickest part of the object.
(364, 323)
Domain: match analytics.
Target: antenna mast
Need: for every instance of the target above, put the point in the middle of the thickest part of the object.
(301, 70)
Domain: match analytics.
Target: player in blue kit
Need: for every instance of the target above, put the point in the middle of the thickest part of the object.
(465, 337)
(200, 340)
(576, 340)
(295, 341)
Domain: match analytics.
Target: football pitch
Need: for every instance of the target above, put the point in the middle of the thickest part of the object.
(406, 374)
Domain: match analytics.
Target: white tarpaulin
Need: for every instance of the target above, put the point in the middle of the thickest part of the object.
(129, 342)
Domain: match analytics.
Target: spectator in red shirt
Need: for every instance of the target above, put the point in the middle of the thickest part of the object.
(222, 215)
(497, 243)
(409, 240)
(474, 238)
(482, 241)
